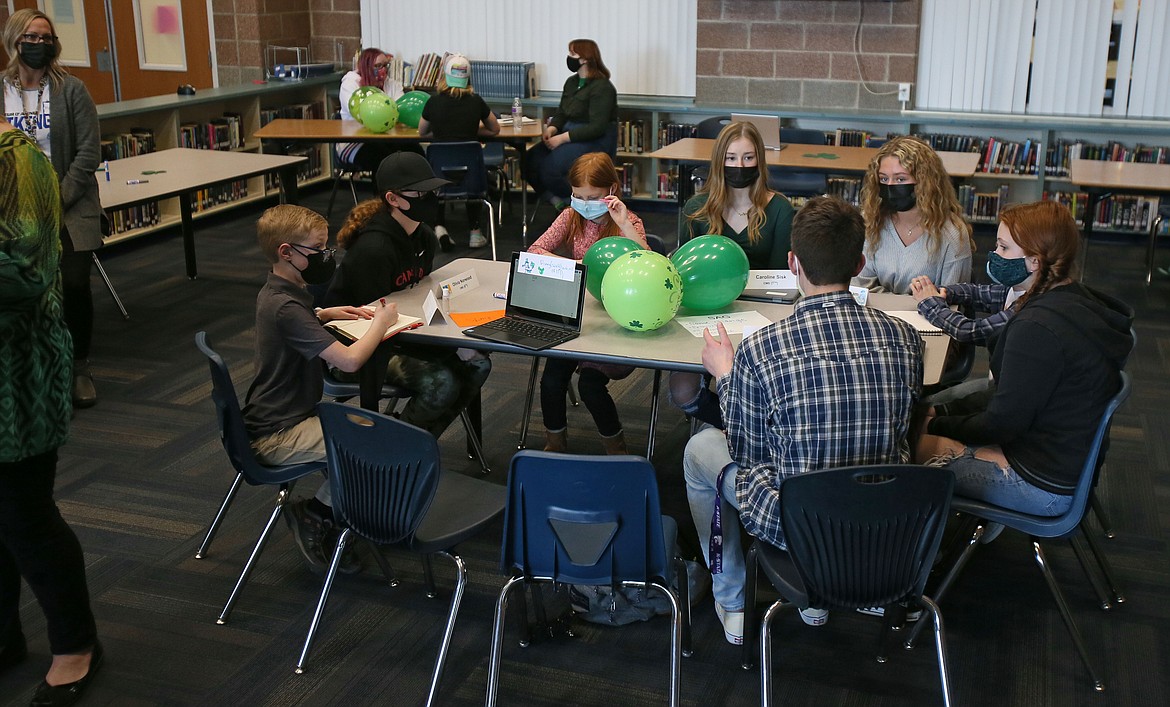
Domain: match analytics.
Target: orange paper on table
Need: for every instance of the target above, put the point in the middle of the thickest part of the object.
(466, 319)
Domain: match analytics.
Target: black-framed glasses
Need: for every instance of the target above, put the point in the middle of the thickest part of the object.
(381, 65)
(34, 38)
(328, 253)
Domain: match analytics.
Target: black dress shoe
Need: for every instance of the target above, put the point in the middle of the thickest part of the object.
(68, 694)
(13, 653)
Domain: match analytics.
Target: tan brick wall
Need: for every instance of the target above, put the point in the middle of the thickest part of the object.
(800, 53)
(243, 28)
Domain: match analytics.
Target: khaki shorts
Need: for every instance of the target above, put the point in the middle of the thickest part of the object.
(303, 442)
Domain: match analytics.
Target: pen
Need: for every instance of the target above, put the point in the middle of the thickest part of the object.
(107, 168)
(135, 181)
(499, 295)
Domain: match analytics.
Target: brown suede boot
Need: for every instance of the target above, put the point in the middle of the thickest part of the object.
(615, 444)
(556, 441)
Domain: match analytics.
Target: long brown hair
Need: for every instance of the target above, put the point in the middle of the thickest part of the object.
(356, 220)
(932, 189)
(1045, 230)
(17, 25)
(594, 169)
(719, 194)
(587, 49)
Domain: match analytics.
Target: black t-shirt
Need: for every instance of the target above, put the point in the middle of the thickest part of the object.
(454, 118)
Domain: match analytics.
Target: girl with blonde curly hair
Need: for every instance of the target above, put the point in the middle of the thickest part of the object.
(914, 225)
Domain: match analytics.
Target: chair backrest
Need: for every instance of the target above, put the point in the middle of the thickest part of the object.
(462, 163)
(866, 535)
(802, 136)
(383, 472)
(710, 128)
(656, 243)
(232, 432)
(583, 519)
(873, 141)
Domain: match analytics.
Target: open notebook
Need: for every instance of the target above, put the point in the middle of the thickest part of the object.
(354, 329)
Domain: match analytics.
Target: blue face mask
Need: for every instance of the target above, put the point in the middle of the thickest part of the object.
(1006, 271)
(591, 209)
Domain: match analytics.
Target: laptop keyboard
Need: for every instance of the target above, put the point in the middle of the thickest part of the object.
(532, 330)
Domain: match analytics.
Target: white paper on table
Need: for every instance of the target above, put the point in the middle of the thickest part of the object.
(547, 266)
(734, 322)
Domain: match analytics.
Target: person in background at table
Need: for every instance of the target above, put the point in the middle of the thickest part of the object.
(35, 541)
(1056, 364)
(457, 113)
(832, 385)
(735, 202)
(585, 121)
(370, 71)
(280, 409)
(56, 111)
(596, 212)
(389, 247)
(913, 222)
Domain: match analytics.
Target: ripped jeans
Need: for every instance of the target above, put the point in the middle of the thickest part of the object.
(985, 480)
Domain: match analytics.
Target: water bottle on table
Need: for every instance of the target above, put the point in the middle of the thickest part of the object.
(517, 114)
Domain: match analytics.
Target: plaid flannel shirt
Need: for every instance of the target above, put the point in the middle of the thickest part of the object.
(958, 326)
(833, 385)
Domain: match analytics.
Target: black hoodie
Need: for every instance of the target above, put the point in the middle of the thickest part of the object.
(1056, 365)
(382, 259)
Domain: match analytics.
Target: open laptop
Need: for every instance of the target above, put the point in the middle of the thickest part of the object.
(541, 311)
(768, 125)
(776, 286)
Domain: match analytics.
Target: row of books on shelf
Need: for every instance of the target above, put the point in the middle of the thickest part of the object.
(295, 111)
(982, 207)
(628, 175)
(1119, 212)
(131, 217)
(215, 195)
(1064, 151)
(308, 170)
(139, 141)
(425, 72)
(224, 133)
(632, 137)
(669, 132)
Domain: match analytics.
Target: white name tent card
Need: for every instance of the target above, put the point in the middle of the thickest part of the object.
(772, 280)
(463, 282)
(734, 322)
(431, 312)
(860, 294)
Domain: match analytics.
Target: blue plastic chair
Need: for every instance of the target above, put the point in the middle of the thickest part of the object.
(463, 163)
(594, 520)
(388, 489)
(795, 182)
(495, 158)
(707, 129)
(238, 446)
(1067, 526)
(857, 537)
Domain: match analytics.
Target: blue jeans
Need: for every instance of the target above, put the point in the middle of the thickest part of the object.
(548, 170)
(705, 456)
(985, 481)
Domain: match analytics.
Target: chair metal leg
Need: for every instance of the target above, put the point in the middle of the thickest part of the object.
(684, 598)
(473, 441)
(1098, 587)
(429, 577)
(749, 607)
(766, 653)
(1102, 515)
(1065, 614)
(1103, 563)
(491, 225)
(498, 640)
(948, 580)
(281, 499)
(110, 286)
(653, 413)
(1150, 249)
(525, 639)
(223, 508)
(940, 647)
(676, 632)
(528, 403)
(332, 195)
(317, 613)
(449, 631)
(384, 565)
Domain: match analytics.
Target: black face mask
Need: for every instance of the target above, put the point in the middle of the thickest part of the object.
(899, 197)
(37, 56)
(740, 177)
(574, 63)
(424, 209)
(320, 267)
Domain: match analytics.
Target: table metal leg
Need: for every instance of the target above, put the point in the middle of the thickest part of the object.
(1157, 224)
(188, 227)
(653, 413)
(289, 189)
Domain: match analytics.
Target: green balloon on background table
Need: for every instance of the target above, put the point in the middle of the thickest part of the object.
(378, 112)
(713, 269)
(600, 256)
(641, 290)
(410, 107)
(356, 97)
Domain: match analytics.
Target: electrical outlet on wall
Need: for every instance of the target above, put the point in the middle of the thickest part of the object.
(904, 92)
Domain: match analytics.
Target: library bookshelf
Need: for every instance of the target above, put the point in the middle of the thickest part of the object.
(220, 118)
(1023, 157)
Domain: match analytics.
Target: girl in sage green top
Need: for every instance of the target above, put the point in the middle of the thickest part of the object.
(736, 201)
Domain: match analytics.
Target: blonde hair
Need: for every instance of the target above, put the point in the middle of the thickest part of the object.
(17, 25)
(594, 169)
(933, 192)
(719, 194)
(286, 223)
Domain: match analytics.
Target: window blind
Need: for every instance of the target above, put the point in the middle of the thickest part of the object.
(1070, 55)
(1148, 94)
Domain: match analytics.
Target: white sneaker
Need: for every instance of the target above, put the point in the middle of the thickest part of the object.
(477, 239)
(912, 615)
(446, 243)
(732, 624)
(814, 617)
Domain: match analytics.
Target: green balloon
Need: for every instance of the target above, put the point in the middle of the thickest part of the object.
(641, 290)
(378, 112)
(714, 271)
(410, 107)
(600, 256)
(356, 97)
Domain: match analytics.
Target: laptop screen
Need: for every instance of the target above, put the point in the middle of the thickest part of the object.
(545, 298)
(768, 125)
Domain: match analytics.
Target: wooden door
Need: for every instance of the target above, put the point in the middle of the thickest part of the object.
(171, 39)
(86, 43)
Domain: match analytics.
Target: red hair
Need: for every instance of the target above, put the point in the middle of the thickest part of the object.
(365, 66)
(593, 169)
